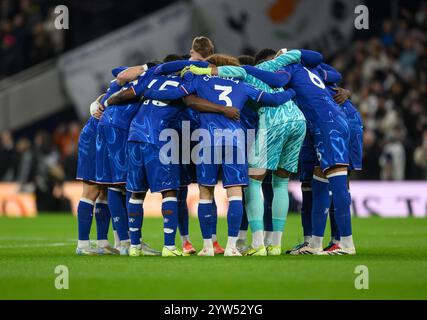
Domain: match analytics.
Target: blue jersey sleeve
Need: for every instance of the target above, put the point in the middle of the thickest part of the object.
(114, 87)
(116, 71)
(310, 58)
(270, 78)
(278, 79)
(140, 84)
(271, 99)
(171, 94)
(330, 74)
(174, 66)
(276, 99)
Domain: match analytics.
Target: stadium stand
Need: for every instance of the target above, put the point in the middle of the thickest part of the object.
(386, 72)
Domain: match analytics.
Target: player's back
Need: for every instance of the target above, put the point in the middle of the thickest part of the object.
(312, 95)
(154, 115)
(119, 116)
(228, 92)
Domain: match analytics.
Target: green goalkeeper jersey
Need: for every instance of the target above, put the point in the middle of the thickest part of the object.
(269, 116)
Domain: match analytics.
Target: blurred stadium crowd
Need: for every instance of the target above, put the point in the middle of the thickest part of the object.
(387, 73)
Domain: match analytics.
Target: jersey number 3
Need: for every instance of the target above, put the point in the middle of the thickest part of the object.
(223, 96)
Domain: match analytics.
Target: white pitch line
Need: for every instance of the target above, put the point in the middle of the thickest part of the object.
(36, 245)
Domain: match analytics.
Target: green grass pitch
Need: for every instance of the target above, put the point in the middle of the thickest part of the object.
(394, 250)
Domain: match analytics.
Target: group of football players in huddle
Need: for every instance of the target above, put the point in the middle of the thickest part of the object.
(247, 122)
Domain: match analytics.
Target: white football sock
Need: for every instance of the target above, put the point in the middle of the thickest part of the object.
(207, 243)
(307, 239)
(231, 242)
(102, 243)
(347, 242)
(83, 243)
(277, 238)
(257, 239)
(185, 238)
(116, 239)
(316, 242)
(170, 247)
(242, 235)
(268, 237)
(214, 238)
(138, 246)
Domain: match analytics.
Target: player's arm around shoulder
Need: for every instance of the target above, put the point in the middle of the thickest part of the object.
(280, 61)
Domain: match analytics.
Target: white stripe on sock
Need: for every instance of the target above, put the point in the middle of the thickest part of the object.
(205, 201)
(339, 173)
(320, 179)
(169, 199)
(85, 200)
(115, 189)
(136, 201)
(235, 198)
(167, 230)
(101, 201)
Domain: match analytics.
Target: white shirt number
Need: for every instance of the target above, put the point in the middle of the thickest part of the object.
(169, 83)
(315, 79)
(223, 96)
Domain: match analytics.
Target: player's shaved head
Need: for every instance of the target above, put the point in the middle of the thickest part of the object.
(246, 60)
(172, 57)
(201, 48)
(222, 60)
(265, 54)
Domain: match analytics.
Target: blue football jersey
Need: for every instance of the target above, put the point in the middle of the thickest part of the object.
(154, 115)
(349, 109)
(223, 91)
(120, 116)
(312, 95)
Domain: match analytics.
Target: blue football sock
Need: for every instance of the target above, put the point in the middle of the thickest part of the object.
(118, 212)
(214, 217)
(342, 202)
(234, 215)
(170, 219)
(335, 234)
(306, 207)
(183, 211)
(126, 195)
(204, 212)
(244, 225)
(135, 218)
(267, 191)
(84, 218)
(321, 201)
(102, 217)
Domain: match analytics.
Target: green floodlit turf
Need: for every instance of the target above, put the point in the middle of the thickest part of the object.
(394, 250)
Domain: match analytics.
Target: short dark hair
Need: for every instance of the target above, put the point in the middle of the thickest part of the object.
(153, 63)
(263, 54)
(172, 57)
(246, 60)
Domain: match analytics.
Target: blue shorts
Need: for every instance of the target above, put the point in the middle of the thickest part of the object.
(356, 142)
(146, 170)
(86, 163)
(307, 157)
(331, 141)
(187, 172)
(234, 170)
(111, 156)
